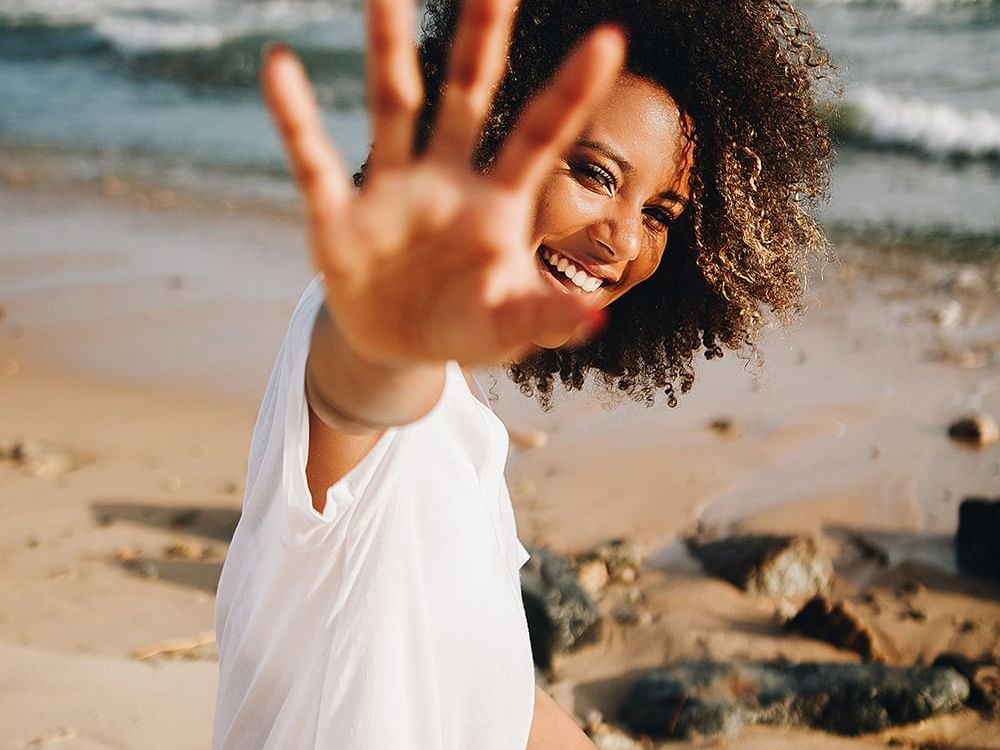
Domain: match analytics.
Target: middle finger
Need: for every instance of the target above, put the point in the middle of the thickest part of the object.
(395, 86)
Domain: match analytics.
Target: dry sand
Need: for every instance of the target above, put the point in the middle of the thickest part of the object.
(137, 329)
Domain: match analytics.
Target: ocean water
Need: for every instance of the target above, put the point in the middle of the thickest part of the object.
(167, 88)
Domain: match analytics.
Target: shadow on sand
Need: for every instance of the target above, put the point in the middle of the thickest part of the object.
(925, 558)
(215, 523)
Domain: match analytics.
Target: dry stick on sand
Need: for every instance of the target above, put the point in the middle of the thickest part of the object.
(174, 646)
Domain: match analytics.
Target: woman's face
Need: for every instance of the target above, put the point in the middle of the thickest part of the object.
(605, 212)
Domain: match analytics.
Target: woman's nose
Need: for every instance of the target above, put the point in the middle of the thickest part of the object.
(617, 238)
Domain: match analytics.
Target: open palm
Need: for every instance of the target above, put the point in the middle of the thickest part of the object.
(431, 260)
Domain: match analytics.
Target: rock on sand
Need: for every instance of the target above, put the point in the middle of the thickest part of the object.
(709, 698)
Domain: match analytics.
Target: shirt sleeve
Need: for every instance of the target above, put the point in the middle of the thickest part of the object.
(280, 446)
(287, 439)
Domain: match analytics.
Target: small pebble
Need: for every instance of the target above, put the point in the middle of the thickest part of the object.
(725, 426)
(528, 439)
(186, 517)
(913, 587)
(626, 574)
(183, 551)
(592, 575)
(128, 553)
(148, 570)
(625, 615)
(978, 429)
(947, 315)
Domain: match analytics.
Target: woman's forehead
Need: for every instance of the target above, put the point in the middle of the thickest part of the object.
(640, 121)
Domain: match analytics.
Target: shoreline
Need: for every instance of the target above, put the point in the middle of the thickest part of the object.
(128, 343)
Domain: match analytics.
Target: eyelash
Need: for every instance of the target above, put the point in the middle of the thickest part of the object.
(662, 219)
(596, 174)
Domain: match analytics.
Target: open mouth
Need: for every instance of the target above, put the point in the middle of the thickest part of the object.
(566, 273)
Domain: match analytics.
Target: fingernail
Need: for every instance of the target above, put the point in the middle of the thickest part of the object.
(596, 320)
(592, 324)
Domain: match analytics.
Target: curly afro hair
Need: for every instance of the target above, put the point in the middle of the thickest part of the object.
(745, 75)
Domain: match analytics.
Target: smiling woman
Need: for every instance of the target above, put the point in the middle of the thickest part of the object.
(370, 596)
(741, 80)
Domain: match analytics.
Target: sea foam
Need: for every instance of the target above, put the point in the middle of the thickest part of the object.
(942, 130)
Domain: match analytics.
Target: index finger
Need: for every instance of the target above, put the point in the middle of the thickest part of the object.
(556, 116)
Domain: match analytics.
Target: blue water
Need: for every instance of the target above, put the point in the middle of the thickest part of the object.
(169, 87)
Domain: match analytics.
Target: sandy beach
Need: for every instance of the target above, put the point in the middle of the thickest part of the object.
(138, 325)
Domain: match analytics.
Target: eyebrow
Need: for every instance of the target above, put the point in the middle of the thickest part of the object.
(626, 166)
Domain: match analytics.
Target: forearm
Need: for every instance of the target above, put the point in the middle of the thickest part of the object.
(353, 394)
(554, 729)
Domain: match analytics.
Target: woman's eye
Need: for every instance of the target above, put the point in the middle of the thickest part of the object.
(658, 218)
(595, 175)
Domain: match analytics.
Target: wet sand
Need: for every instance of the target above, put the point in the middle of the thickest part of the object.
(137, 331)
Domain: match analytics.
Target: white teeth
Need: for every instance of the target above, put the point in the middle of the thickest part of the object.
(578, 276)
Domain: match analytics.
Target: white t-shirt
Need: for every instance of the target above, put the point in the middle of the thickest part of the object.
(393, 619)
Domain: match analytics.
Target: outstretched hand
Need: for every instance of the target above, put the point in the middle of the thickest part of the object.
(431, 260)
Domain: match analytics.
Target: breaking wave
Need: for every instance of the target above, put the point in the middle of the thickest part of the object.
(194, 43)
(875, 119)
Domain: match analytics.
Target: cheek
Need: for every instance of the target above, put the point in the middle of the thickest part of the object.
(560, 209)
(642, 269)
(646, 264)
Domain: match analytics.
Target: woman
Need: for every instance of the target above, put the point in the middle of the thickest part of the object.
(370, 598)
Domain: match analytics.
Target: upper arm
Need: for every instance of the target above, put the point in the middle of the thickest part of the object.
(332, 454)
(554, 729)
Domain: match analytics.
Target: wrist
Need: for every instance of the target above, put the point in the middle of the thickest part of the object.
(355, 392)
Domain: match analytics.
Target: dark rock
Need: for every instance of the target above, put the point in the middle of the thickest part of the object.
(912, 587)
(976, 540)
(978, 430)
(561, 615)
(984, 680)
(785, 566)
(868, 549)
(837, 623)
(708, 698)
(186, 517)
(725, 426)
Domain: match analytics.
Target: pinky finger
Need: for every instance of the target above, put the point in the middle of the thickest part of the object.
(552, 319)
